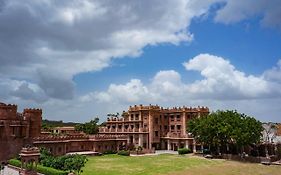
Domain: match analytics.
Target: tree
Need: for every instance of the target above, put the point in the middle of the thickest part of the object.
(91, 127)
(222, 128)
(75, 163)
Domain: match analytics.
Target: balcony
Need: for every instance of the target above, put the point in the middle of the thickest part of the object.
(176, 135)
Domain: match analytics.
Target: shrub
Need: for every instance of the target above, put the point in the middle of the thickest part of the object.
(14, 162)
(40, 168)
(206, 151)
(50, 171)
(182, 151)
(124, 153)
(110, 152)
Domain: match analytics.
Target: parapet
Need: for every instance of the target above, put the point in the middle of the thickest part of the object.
(32, 110)
(141, 107)
(8, 111)
(8, 106)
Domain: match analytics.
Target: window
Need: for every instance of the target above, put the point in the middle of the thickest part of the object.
(119, 126)
(144, 125)
(172, 127)
(172, 118)
(113, 126)
(156, 120)
(178, 118)
(108, 127)
(156, 133)
(165, 127)
(132, 116)
(132, 126)
(178, 127)
(137, 116)
(126, 126)
(165, 117)
(137, 125)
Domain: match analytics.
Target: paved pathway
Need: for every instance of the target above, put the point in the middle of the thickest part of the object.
(9, 171)
(165, 152)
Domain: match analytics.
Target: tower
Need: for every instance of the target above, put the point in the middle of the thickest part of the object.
(34, 117)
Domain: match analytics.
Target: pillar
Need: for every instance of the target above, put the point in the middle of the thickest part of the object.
(140, 140)
(169, 145)
(186, 144)
(194, 146)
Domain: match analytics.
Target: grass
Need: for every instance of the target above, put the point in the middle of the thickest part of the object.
(172, 165)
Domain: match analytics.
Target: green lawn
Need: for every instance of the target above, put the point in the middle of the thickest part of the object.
(172, 164)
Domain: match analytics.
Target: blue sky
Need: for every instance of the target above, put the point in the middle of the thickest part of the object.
(80, 59)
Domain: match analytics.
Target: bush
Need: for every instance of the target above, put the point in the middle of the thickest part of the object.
(206, 151)
(40, 168)
(110, 152)
(182, 151)
(124, 153)
(14, 162)
(50, 171)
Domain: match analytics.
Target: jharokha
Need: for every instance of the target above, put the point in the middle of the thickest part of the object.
(151, 127)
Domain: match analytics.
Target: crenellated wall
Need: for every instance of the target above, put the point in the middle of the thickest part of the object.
(17, 129)
(34, 117)
(8, 111)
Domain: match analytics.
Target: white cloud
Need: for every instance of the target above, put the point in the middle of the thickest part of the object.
(238, 10)
(69, 37)
(223, 81)
(222, 87)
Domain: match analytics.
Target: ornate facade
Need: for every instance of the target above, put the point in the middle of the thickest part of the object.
(17, 129)
(154, 127)
(151, 127)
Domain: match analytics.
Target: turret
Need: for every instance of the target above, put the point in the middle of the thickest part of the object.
(8, 111)
(35, 118)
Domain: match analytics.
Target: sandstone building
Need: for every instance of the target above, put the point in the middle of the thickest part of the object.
(17, 129)
(151, 127)
(154, 127)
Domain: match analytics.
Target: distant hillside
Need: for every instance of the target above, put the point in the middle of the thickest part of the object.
(53, 123)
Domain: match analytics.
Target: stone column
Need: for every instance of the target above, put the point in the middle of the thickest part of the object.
(169, 145)
(186, 144)
(140, 140)
(194, 146)
(184, 124)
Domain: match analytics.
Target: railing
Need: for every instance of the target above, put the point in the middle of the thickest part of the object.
(106, 130)
(176, 135)
(107, 137)
(60, 138)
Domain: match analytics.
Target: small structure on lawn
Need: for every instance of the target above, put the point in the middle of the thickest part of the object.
(29, 160)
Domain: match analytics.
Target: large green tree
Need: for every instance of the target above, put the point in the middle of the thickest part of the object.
(91, 127)
(222, 128)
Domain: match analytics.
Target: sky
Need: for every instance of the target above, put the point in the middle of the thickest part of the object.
(81, 59)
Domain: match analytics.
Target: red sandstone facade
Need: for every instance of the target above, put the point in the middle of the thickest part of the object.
(151, 127)
(154, 127)
(17, 129)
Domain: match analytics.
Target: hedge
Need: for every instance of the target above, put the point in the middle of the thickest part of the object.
(40, 168)
(184, 151)
(15, 162)
(124, 153)
(110, 152)
(50, 171)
